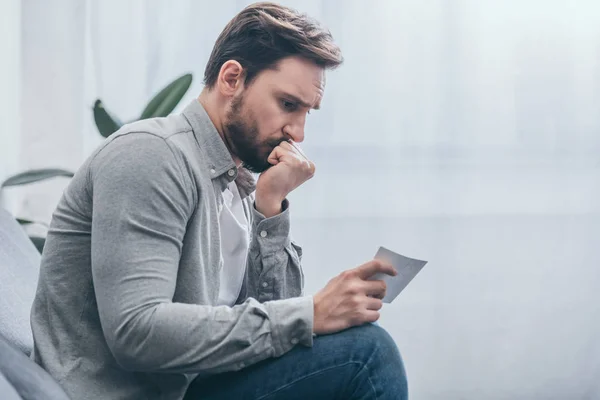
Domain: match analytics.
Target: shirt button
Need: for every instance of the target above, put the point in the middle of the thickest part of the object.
(231, 172)
(265, 284)
(212, 171)
(263, 234)
(294, 341)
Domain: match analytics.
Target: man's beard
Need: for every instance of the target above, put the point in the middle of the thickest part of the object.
(242, 138)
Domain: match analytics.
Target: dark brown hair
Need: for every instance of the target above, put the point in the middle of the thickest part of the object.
(264, 33)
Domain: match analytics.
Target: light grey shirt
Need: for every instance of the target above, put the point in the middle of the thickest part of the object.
(126, 301)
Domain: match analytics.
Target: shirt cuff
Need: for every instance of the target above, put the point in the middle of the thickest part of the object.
(291, 323)
(272, 234)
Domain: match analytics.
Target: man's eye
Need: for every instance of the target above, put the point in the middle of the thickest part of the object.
(289, 106)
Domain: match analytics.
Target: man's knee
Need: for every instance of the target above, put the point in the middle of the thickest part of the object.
(368, 342)
(373, 338)
(372, 347)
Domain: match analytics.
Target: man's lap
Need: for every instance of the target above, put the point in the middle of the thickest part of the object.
(342, 365)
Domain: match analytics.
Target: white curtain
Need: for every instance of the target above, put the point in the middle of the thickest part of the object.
(10, 72)
(464, 132)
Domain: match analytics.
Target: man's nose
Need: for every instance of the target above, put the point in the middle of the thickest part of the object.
(295, 131)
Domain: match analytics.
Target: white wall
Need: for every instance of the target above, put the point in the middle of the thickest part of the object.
(477, 99)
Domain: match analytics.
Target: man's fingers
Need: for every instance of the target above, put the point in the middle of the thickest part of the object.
(294, 148)
(282, 152)
(287, 145)
(312, 167)
(369, 269)
(298, 148)
(374, 304)
(371, 316)
(277, 153)
(287, 152)
(375, 289)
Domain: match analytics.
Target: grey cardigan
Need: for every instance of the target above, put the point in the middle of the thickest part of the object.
(125, 304)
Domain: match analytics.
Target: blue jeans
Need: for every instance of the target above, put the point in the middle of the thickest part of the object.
(358, 363)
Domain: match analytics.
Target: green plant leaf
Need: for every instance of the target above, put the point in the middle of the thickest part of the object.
(35, 175)
(38, 242)
(107, 124)
(167, 99)
(23, 221)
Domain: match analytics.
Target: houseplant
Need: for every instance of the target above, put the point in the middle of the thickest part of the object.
(161, 105)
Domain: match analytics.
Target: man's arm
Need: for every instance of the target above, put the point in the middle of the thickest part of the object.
(273, 270)
(142, 203)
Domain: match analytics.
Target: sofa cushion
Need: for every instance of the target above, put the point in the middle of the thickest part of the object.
(19, 268)
(27, 378)
(7, 390)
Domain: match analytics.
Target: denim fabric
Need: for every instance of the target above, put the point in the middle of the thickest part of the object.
(357, 364)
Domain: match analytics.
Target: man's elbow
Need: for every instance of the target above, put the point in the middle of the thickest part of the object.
(130, 345)
(130, 356)
(130, 362)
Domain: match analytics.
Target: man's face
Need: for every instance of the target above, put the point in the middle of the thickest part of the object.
(273, 109)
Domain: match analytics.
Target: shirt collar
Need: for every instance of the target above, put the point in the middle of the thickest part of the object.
(217, 155)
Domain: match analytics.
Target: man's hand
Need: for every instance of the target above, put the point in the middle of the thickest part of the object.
(350, 299)
(291, 168)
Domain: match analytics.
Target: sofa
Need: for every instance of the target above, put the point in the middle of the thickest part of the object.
(20, 378)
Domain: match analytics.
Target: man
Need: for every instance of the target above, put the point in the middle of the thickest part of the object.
(168, 272)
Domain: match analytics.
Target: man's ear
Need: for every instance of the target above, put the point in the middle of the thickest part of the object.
(231, 78)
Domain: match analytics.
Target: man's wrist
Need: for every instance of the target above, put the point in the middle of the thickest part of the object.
(267, 207)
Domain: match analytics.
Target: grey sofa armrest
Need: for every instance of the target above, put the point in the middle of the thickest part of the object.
(19, 271)
(28, 379)
(7, 390)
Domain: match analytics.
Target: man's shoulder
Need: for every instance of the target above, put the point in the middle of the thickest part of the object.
(169, 135)
(168, 128)
(159, 152)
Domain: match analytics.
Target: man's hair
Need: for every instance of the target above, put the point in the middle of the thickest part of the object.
(264, 33)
